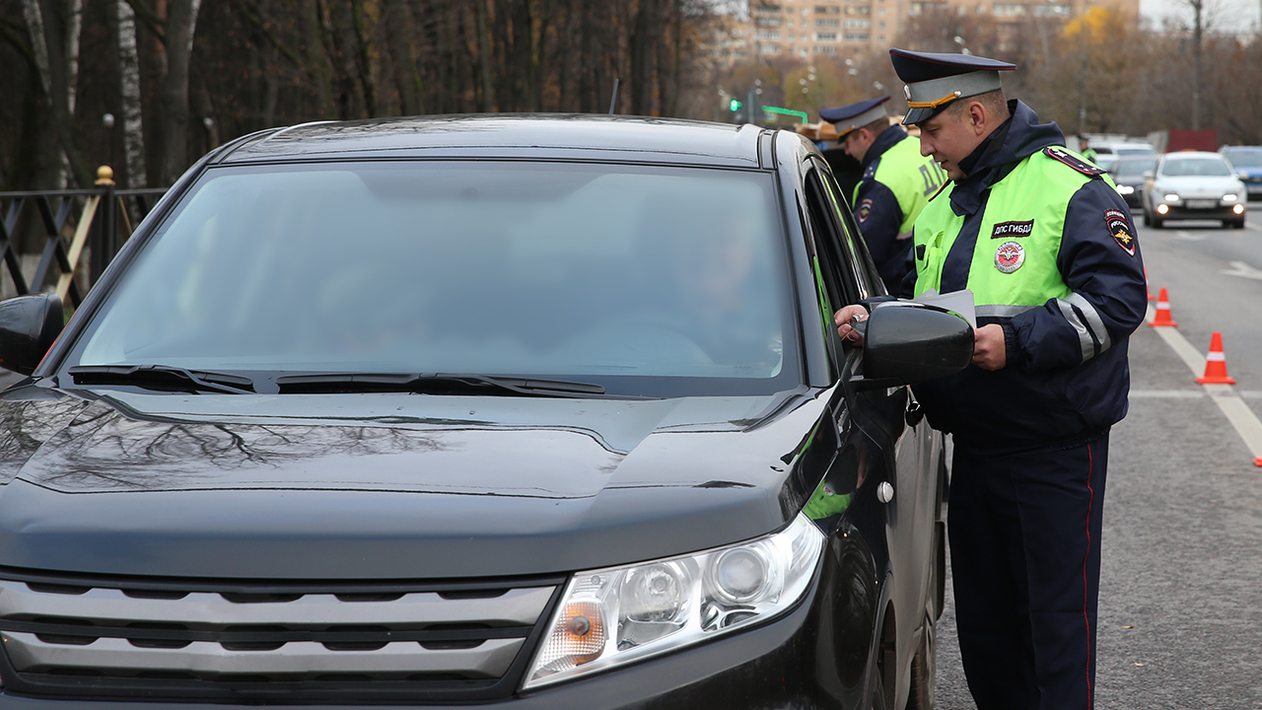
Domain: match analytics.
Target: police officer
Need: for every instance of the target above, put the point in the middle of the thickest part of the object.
(1047, 247)
(1084, 149)
(896, 185)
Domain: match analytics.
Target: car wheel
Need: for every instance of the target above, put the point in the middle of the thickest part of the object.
(1238, 224)
(1156, 222)
(923, 667)
(1147, 219)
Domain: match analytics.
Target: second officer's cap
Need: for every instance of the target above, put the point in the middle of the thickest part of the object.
(857, 115)
(934, 80)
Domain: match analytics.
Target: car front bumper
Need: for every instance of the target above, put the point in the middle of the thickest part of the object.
(816, 655)
(1213, 213)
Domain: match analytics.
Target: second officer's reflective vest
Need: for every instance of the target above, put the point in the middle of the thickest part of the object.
(912, 177)
(1013, 267)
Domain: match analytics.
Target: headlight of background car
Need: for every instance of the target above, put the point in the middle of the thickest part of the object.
(613, 616)
(1230, 197)
(1125, 189)
(1171, 197)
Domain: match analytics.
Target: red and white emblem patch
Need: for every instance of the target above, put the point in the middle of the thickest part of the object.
(1117, 225)
(865, 209)
(1009, 257)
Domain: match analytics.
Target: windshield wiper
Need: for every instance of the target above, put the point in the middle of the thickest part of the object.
(161, 377)
(433, 384)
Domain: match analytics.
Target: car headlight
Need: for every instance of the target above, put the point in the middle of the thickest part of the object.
(613, 616)
(1231, 197)
(1171, 197)
(1125, 189)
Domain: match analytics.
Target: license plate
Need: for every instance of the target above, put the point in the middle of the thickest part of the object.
(1202, 204)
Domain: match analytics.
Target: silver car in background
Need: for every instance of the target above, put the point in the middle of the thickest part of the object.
(1194, 185)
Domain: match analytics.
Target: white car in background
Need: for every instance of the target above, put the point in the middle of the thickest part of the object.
(1194, 185)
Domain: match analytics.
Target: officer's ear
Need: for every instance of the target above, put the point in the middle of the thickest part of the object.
(979, 118)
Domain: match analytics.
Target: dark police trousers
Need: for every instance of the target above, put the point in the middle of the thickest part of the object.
(1025, 557)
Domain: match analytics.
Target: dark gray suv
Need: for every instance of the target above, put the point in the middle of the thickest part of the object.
(528, 412)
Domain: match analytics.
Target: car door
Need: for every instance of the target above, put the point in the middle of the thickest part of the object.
(891, 418)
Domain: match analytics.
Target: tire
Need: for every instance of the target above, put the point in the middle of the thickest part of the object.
(1147, 219)
(1157, 222)
(924, 665)
(1238, 224)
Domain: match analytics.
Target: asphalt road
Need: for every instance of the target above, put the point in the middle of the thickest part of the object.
(1181, 588)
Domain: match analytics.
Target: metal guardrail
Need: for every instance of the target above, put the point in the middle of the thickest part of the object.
(96, 220)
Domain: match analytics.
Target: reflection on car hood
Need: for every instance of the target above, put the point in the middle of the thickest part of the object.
(1198, 185)
(387, 485)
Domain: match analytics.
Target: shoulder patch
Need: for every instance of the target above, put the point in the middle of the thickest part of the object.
(864, 211)
(1118, 227)
(870, 172)
(1058, 153)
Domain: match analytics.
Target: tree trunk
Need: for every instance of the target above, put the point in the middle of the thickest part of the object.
(644, 57)
(129, 75)
(364, 56)
(315, 55)
(399, 32)
(485, 56)
(181, 25)
(59, 86)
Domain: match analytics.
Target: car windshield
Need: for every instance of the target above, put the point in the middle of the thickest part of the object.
(1136, 150)
(656, 281)
(1189, 167)
(1133, 167)
(1245, 158)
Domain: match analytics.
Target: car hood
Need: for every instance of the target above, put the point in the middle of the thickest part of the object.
(1199, 186)
(376, 486)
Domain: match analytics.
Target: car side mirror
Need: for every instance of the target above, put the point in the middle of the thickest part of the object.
(905, 343)
(28, 327)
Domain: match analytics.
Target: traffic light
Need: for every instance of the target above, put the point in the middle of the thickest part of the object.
(734, 105)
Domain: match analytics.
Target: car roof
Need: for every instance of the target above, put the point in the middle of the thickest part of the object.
(1196, 154)
(511, 136)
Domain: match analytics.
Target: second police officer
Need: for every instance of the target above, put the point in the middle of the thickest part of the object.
(896, 185)
(1046, 245)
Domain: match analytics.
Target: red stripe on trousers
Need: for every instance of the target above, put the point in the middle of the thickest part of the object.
(1085, 585)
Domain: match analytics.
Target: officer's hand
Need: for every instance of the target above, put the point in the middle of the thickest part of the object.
(842, 320)
(989, 349)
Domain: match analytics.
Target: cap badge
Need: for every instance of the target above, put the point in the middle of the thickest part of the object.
(1009, 257)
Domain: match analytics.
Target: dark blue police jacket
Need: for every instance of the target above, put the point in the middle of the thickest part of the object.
(1047, 394)
(881, 223)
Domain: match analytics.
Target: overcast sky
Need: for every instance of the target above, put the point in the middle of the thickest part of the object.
(1234, 15)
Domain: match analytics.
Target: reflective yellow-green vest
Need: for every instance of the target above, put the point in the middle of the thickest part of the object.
(912, 178)
(1013, 267)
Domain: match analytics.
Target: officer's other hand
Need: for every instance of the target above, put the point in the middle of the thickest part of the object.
(989, 349)
(842, 320)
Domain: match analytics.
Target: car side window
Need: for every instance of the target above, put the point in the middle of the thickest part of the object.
(865, 269)
(833, 243)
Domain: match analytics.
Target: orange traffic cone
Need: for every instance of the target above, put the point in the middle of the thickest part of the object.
(1146, 286)
(1216, 364)
(1163, 312)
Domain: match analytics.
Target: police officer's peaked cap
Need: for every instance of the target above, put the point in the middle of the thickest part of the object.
(857, 115)
(934, 80)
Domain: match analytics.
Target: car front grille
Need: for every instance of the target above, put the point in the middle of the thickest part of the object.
(280, 642)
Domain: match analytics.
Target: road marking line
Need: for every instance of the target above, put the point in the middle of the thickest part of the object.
(1167, 394)
(1182, 234)
(1242, 419)
(1243, 270)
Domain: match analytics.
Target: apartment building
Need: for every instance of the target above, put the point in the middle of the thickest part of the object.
(848, 28)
